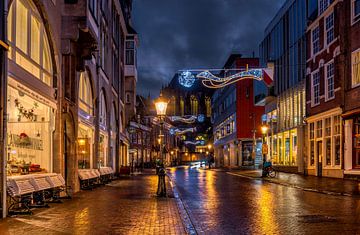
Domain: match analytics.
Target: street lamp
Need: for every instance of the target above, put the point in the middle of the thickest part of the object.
(161, 105)
(264, 131)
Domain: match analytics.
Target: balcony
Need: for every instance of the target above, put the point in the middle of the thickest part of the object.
(131, 71)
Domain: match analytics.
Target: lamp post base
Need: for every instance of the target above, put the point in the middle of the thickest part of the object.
(161, 190)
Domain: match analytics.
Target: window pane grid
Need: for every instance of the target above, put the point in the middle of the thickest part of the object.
(316, 40)
(330, 28)
(330, 80)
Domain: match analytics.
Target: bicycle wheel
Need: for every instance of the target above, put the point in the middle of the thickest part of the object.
(272, 173)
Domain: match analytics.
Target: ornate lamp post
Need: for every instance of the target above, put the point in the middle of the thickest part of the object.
(264, 131)
(161, 105)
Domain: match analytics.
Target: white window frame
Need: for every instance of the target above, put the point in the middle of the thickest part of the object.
(312, 40)
(327, 97)
(313, 104)
(352, 69)
(354, 18)
(332, 28)
(326, 4)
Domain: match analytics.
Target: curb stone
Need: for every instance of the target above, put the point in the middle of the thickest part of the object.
(189, 226)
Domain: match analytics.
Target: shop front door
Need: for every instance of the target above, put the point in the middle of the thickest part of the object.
(320, 156)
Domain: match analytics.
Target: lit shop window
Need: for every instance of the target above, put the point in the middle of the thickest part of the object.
(29, 134)
(328, 141)
(337, 136)
(312, 143)
(355, 62)
(85, 93)
(28, 40)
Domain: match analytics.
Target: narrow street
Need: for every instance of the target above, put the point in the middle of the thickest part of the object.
(220, 203)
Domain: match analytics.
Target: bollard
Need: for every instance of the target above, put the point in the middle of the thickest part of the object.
(161, 190)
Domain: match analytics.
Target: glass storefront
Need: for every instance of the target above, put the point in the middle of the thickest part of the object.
(325, 142)
(284, 148)
(103, 149)
(29, 135)
(85, 146)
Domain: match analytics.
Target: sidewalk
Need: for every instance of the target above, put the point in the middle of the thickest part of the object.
(324, 185)
(125, 206)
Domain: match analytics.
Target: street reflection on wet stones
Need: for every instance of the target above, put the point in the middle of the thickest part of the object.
(219, 203)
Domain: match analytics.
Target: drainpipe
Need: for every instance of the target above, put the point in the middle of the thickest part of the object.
(3, 103)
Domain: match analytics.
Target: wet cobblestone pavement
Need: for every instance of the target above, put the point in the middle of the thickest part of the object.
(325, 185)
(220, 203)
(126, 206)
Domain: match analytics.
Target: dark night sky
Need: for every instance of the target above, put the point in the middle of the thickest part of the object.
(179, 34)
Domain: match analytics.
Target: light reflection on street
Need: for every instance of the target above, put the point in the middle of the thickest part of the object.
(266, 212)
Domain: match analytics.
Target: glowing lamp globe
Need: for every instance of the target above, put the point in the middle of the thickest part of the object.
(264, 129)
(161, 105)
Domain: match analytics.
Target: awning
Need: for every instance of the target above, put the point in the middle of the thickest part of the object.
(350, 113)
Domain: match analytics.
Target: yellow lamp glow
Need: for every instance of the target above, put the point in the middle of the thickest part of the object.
(264, 129)
(209, 146)
(81, 142)
(161, 105)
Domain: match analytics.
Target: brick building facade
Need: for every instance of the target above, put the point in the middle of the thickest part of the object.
(351, 113)
(66, 85)
(326, 47)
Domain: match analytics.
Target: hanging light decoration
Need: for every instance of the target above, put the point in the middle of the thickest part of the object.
(186, 79)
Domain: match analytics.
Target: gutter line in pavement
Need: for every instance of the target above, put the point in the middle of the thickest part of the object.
(184, 214)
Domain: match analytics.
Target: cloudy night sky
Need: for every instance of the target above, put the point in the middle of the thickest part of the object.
(180, 34)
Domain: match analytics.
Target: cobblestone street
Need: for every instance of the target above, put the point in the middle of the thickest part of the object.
(126, 206)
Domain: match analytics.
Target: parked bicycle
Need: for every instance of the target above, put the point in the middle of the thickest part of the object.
(269, 170)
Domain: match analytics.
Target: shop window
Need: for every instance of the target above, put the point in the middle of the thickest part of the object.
(337, 139)
(28, 41)
(355, 62)
(312, 143)
(328, 141)
(84, 147)
(356, 159)
(29, 129)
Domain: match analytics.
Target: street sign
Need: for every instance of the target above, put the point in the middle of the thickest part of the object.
(265, 149)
